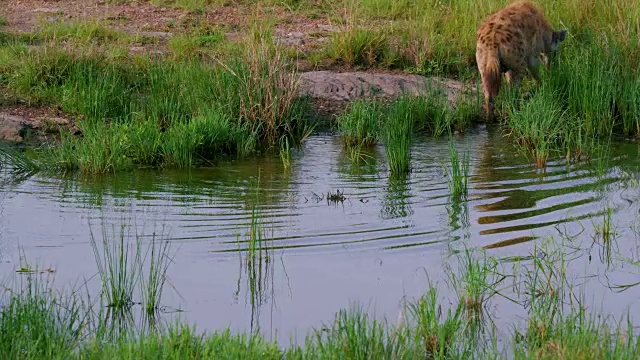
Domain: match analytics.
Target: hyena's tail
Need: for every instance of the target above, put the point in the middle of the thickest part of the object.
(488, 60)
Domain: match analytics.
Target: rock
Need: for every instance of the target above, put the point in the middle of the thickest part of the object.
(47, 10)
(294, 38)
(59, 121)
(11, 127)
(333, 86)
(137, 49)
(156, 34)
(31, 127)
(327, 27)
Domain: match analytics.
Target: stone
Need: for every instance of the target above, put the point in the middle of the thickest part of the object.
(156, 34)
(11, 127)
(334, 86)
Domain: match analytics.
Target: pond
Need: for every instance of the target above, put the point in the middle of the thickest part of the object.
(384, 241)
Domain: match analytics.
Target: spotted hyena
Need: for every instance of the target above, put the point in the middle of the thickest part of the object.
(511, 40)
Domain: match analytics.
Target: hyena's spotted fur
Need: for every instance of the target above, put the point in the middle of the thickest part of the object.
(510, 41)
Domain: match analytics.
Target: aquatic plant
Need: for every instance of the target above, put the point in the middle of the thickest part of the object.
(359, 124)
(398, 135)
(121, 260)
(475, 281)
(285, 152)
(457, 174)
(537, 123)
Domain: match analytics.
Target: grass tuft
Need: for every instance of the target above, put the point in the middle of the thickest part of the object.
(458, 174)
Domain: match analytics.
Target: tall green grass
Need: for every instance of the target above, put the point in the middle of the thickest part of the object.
(538, 123)
(457, 174)
(359, 124)
(37, 323)
(366, 121)
(398, 134)
(174, 113)
(587, 96)
(475, 281)
(127, 270)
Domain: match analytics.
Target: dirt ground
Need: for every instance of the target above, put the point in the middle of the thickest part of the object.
(293, 28)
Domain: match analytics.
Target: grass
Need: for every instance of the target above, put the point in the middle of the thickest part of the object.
(285, 153)
(158, 261)
(457, 174)
(475, 281)
(83, 32)
(15, 163)
(398, 138)
(121, 260)
(168, 114)
(537, 124)
(37, 323)
(366, 121)
(592, 87)
(359, 124)
(586, 98)
(362, 48)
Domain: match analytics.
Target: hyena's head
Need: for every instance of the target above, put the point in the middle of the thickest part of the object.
(556, 38)
(552, 44)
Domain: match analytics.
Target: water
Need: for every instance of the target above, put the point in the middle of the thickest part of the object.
(381, 244)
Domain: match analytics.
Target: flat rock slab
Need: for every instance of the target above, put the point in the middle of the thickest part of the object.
(340, 87)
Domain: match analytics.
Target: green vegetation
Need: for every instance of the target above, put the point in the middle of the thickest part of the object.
(207, 96)
(457, 174)
(358, 125)
(157, 113)
(365, 122)
(398, 137)
(39, 323)
(589, 95)
(122, 270)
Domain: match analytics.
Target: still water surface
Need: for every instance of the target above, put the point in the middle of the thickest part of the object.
(382, 243)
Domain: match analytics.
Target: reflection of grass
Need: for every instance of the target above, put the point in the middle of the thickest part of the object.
(257, 264)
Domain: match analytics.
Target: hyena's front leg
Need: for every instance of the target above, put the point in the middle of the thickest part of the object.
(533, 65)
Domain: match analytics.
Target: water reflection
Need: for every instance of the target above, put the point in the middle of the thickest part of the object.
(396, 202)
(356, 249)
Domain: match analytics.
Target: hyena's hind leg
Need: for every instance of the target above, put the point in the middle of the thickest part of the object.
(490, 89)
